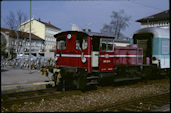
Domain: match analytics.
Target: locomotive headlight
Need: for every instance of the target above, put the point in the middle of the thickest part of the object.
(69, 36)
(83, 59)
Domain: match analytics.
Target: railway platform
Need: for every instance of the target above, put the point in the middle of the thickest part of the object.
(14, 80)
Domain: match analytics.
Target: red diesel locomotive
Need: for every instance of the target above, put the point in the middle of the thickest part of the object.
(87, 59)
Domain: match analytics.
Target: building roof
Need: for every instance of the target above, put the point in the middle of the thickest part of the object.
(159, 16)
(20, 34)
(48, 24)
(156, 31)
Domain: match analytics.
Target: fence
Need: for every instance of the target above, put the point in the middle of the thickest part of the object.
(23, 62)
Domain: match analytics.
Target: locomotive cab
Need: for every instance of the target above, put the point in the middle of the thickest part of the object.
(82, 50)
(102, 47)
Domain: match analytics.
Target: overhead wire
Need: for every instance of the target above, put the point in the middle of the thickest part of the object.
(147, 6)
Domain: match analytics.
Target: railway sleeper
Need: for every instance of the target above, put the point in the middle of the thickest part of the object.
(156, 103)
(127, 109)
(140, 107)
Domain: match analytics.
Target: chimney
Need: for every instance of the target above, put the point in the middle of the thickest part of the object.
(39, 19)
(49, 22)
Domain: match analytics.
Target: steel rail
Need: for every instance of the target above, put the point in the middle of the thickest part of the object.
(27, 91)
(31, 97)
(127, 102)
(24, 95)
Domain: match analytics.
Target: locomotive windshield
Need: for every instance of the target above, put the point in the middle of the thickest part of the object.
(107, 44)
(61, 43)
(81, 42)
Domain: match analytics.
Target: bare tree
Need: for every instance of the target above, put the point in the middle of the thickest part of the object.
(106, 28)
(119, 21)
(14, 20)
(3, 46)
(21, 17)
(10, 21)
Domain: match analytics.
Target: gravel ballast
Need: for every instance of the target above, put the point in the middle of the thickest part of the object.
(91, 99)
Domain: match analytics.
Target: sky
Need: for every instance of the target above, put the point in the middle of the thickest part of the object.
(89, 14)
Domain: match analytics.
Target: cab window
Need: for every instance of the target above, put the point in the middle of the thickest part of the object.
(81, 42)
(61, 43)
(107, 45)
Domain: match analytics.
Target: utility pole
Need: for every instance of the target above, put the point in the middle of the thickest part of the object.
(17, 43)
(30, 41)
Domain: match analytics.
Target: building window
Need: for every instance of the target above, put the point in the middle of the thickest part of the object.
(165, 47)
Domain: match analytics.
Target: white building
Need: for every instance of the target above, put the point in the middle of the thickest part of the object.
(157, 20)
(42, 29)
(18, 42)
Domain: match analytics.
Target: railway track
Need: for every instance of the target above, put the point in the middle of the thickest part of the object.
(32, 94)
(25, 95)
(139, 104)
(144, 104)
(9, 99)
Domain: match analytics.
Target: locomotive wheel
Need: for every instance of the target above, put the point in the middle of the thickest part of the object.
(81, 82)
